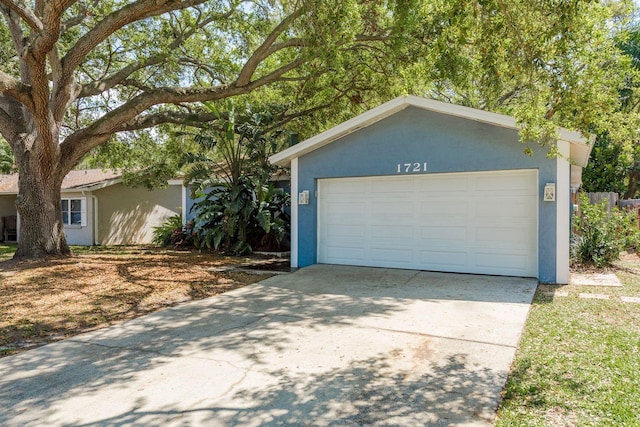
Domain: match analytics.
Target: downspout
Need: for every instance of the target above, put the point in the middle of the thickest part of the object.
(95, 220)
(184, 204)
(17, 226)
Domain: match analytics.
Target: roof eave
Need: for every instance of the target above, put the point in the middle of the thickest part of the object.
(93, 186)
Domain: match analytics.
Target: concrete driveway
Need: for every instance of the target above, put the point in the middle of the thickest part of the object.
(327, 345)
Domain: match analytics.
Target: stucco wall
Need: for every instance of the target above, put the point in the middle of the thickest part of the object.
(128, 215)
(447, 144)
(7, 205)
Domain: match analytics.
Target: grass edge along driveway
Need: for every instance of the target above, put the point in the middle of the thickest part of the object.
(578, 359)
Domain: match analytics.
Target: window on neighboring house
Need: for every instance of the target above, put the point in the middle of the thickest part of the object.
(74, 212)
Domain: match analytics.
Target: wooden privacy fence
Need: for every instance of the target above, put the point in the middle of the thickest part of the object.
(612, 200)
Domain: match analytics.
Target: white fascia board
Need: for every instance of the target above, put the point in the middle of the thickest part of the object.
(284, 157)
(580, 151)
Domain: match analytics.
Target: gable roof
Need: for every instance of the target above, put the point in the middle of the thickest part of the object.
(580, 146)
(76, 180)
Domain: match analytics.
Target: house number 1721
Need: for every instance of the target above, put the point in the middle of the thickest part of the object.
(411, 167)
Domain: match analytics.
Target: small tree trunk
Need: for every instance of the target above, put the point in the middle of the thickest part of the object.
(41, 228)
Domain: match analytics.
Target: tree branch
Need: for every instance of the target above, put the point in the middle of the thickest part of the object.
(136, 11)
(15, 89)
(24, 13)
(131, 13)
(97, 87)
(51, 25)
(262, 51)
(80, 142)
(17, 36)
(174, 117)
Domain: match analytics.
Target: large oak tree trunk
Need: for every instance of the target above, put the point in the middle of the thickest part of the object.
(41, 231)
(41, 228)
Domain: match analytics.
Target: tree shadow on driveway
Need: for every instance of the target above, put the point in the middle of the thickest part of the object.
(277, 353)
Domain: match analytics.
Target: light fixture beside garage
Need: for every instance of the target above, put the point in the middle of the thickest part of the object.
(303, 197)
(550, 192)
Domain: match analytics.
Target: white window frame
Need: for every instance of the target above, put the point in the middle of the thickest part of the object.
(83, 211)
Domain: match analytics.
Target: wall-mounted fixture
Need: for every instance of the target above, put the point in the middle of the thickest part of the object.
(550, 192)
(303, 198)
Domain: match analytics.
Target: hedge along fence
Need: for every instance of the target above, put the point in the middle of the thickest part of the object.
(612, 200)
(602, 230)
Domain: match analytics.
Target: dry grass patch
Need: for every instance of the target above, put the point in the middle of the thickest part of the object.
(47, 301)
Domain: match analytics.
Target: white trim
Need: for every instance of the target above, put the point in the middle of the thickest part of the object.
(581, 151)
(18, 227)
(96, 223)
(174, 182)
(184, 205)
(563, 198)
(294, 213)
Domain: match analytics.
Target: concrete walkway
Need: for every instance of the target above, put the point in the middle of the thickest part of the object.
(326, 345)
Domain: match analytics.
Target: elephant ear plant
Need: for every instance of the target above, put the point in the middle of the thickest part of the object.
(237, 219)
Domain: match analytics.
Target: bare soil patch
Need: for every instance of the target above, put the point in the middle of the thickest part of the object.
(48, 301)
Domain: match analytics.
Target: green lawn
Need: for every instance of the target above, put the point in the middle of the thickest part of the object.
(579, 360)
(6, 251)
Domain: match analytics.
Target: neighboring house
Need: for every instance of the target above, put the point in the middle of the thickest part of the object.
(421, 184)
(98, 209)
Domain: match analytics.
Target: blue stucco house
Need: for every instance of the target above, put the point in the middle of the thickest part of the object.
(420, 184)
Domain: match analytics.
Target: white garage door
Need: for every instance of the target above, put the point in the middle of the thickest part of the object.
(480, 222)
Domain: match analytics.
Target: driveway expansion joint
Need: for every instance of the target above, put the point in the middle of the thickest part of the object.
(422, 334)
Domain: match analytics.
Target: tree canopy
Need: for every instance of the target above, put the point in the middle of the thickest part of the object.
(74, 73)
(615, 162)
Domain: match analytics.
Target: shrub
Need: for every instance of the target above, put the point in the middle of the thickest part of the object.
(173, 233)
(599, 236)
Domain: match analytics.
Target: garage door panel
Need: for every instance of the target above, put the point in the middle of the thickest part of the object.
(345, 231)
(383, 186)
(443, 184)
(444, 233)
(509, 262)
(443, 207)
(504, 237)
(445, 260)
(516, 182)
(509, 208)
(395, 256)
(386, 212)
(483, 222)
(345, 254)
(335, 188)
(392, 232)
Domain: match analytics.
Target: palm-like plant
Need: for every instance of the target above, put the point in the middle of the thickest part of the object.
(230, 177)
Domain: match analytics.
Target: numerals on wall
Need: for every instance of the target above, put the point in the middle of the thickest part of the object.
(413, 167)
